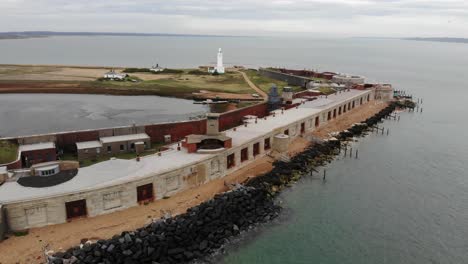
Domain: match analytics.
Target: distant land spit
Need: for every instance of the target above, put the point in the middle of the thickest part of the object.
(44, 34)
(452, 40)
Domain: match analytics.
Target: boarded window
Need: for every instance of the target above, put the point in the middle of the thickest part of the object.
(231, 162)
(244, 154)
(76, 209)
(215, 166)
(302, 128)
(36, 216)
(317, 121)
(172, 183)
(329, 115)
(256, 149)
(267, 145)
(145, 193)
(112, 200)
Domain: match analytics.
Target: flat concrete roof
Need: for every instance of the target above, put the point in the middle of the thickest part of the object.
(88, 144)
(119, 171)
(38, 146)
(141, 136)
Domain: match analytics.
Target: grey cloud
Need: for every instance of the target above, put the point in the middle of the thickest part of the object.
(212, 16)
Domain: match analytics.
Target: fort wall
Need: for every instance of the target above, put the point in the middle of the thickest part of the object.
(52, 210)
(289, 78)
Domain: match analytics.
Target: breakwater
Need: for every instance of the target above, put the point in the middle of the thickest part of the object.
(205, 228)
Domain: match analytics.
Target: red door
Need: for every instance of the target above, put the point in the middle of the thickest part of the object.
(76, 209)
(145, 193)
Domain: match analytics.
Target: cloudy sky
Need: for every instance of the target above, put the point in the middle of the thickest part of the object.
(385, 18)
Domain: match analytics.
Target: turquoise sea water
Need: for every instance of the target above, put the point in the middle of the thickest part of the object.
(405, 200)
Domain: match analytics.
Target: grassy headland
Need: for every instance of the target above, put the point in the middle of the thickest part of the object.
(66, 79)
(265, 83)
(8, 152)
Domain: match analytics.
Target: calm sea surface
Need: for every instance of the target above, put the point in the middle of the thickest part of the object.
(405, 200)
(29, 114)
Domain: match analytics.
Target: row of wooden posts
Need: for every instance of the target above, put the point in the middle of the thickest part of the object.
(377, 130)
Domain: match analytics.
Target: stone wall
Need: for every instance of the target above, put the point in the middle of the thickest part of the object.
(289, 78)
(13, 165)
(177, 130)
(205, 228)
(3, 223)
(122, 195)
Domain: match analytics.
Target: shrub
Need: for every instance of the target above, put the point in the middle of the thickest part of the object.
(198, 72)
(133, 70)
(172, 71)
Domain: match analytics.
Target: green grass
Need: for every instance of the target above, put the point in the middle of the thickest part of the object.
(265, 83)
(326, 90)
(127, 155)
(185, 83)
(8, 152)
(21, 233)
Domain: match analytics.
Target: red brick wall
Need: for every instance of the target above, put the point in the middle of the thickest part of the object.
(14, 165)
(228, 143)
(39, 156)
(191, 148)
(178, 130)
(67, 140)
(234, 118)
(306, 93)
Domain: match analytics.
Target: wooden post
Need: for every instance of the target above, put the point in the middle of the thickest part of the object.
(357, 151)
(383, 128)
(324, 174)
(351, 153)
(388, 131)
(345, 150)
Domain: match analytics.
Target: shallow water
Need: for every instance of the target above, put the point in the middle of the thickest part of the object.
(405, 200)
(28, 114)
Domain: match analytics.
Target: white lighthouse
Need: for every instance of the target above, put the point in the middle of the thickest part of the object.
(219, 64)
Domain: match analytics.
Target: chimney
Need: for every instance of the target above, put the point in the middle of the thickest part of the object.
(212, 124)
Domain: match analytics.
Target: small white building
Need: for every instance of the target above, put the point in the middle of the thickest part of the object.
(157, 68)
(348, 80)
(112, 75)
(219, 65)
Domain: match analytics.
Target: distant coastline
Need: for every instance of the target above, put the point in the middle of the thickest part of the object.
(45, 34)
(450, 40)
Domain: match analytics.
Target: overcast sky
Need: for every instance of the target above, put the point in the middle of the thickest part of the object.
(386, 18)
